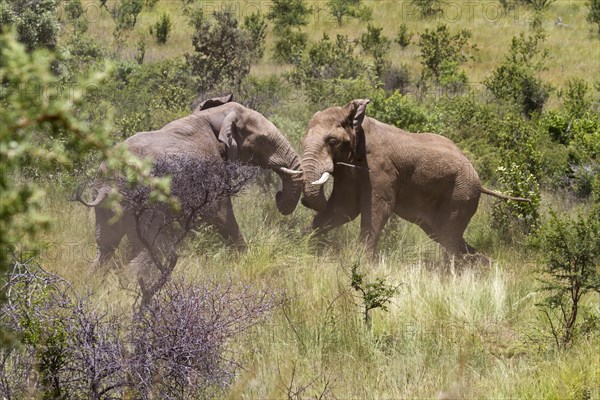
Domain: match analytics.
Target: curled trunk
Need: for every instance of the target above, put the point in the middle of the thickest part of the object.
(286, 157)
(315, 162)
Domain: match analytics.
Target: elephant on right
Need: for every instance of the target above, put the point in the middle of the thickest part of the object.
(379, 169)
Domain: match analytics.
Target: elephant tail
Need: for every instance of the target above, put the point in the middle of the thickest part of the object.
(503, 196)
(102, 194)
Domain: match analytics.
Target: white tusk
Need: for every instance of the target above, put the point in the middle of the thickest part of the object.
(324, 178)
(290, 171)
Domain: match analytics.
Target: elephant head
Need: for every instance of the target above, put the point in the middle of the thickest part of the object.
(251, 138)
(334, 136)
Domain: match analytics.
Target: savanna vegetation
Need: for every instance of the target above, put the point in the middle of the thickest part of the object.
(515, 83)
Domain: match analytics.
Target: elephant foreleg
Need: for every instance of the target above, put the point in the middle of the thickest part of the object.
(374, 216)
(108, 236)
(342, 208)
(221, 216)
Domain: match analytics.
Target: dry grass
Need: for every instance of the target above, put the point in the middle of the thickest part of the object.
(574, 52)
(476, 334)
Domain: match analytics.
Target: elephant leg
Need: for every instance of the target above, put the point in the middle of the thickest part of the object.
(342, 207)
(374, 216)
(108, 236)
(221, 216)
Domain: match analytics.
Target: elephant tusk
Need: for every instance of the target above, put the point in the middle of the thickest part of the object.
(324, 178)
(352, 166)
(290, 171)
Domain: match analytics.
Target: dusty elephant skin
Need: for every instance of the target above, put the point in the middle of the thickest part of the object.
(380, 169)
(218, 129)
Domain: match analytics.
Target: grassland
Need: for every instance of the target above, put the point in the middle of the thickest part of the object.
(573, 50)
(473, 334)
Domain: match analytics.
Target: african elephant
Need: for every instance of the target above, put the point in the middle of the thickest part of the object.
(218, 129)
(380, 169)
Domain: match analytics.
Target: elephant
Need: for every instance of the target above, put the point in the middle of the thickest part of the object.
(218, 129)
(379, 169)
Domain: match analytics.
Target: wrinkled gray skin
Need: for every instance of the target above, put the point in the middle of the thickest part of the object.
(217, 130)
(423, 178)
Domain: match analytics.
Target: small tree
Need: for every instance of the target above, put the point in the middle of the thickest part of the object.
(593, 16)
(256, 27)
(127, 13)
(571, 250)
(428, 8)
(515, 80)
(36, 22)
(288, 16)
(341, 8)
(161, 29)
(373, 295)
(403, 37)
(222, 51)
(439, 47)
(376, 45)
(577, 102)
(196, 185)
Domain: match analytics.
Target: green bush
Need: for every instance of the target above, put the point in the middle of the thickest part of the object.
(36, 22)
(593, 16)
(428, 8)
(289, 46)
(256, 26)
(398, 110)
(222, 52)
(571, 252)
(161, 29)
(403, 37)
(341, 8)
(377, 45)
(515, 80)
(442, 53)
(577, 101)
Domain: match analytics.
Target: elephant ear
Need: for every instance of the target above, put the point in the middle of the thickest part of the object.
(356, 115)
(229, 135)
(214, 102)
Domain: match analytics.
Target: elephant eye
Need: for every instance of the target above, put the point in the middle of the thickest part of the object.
(332, 141)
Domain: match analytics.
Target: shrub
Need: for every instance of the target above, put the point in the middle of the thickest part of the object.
(397, 78)
(256, 26)
(326, 65)
(428, 8)
(222, 52)
(403, 37)
(515, 79)
(179, 338)
(175, 345)
(398, 110)
(375, 44)
(127, 13)
(593, 16)
(571, 249)
(513, 218)
(441, 48)
(288, 16)
(341, 8)
(289, 46)
(36, 22)
(577, 102)
(161, 29)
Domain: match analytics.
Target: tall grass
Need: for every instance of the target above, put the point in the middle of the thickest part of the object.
(573, 48)
(475, 334)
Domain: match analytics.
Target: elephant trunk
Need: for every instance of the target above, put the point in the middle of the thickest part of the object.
(284, 161)
(316, 166)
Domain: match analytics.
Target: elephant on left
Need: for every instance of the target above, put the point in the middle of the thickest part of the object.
(218, 130)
